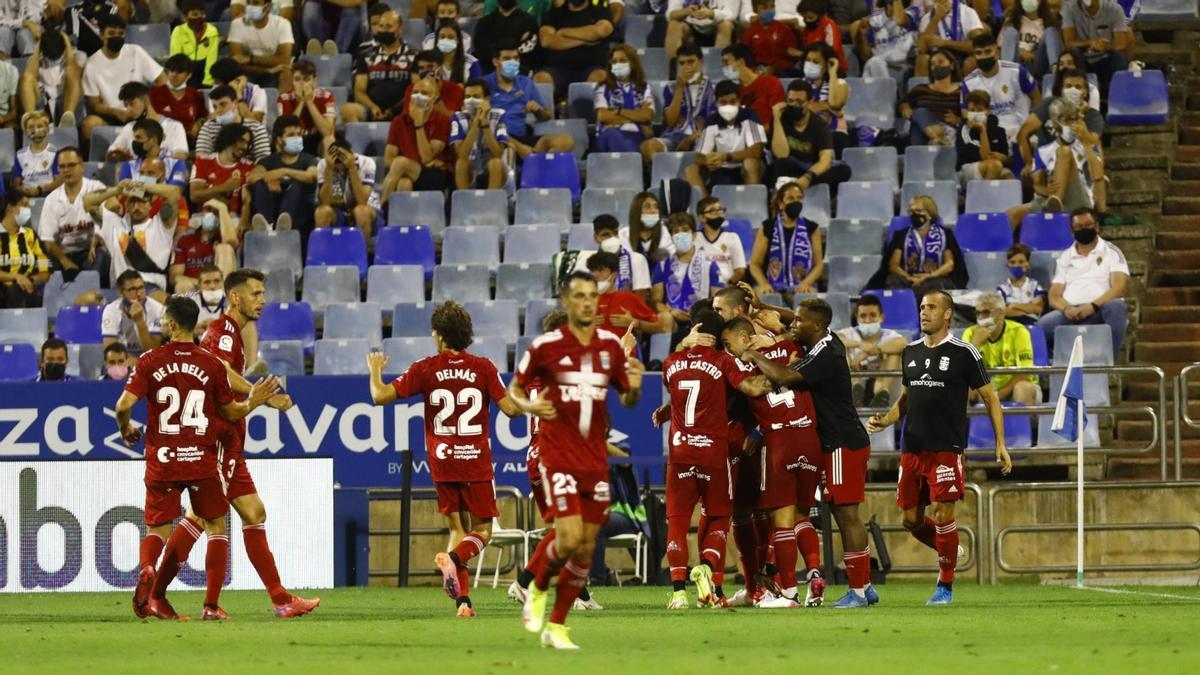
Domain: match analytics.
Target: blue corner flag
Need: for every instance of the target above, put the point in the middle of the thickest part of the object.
(1070, 400)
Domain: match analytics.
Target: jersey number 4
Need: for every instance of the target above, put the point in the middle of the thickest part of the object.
(785, 397)
(193, 411)
(444, 401)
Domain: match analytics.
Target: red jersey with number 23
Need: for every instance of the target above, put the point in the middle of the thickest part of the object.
(183, 386)
(457, 388)
(575, 378)
(223, 339)
(697, 382)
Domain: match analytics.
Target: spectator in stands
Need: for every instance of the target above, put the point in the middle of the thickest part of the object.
(133, 319)
(283, 185)
(34, 168)
(53, 79)
(687, 276)
(950, 26)
(10, 81)
(209, 294)
(1024, 297)
(923, 256)
(871, 348)
(620, 307)
(722, 246)
(153, 171)
(284, 8)
(381, 73)
(1100, 27)
(789, 252)
(417, 144)
(1090, 280)
(689, 101)
(346, 190)
(828, 92)
(116, 362)
(135, 239)
(20, 27)
(1068, 173)
(819, 28)
(1003, 343)
(173, 141)
(1072, 86)
(647, 232)
(516, 95)
(756, 92)
(450, 93)
(213, 242)
(772, 42)
(886, 39)
(708, 23)
(1013, 91)
(224, 174)
(146, 144)
(458, 64)
(575, 37)
(1072, 59)
(632, 270)
(65, 227)
(803, 144)
(84, 22)
(312, 103)
(52, 363)
(982, 143)
(197, 40)
(1030, 37)
(346, 18)
(444, 11)
(624, 104)
(178, 100)
(730, 150)
(508, 24)
(226, 112)
(262, 44)
(112, 67)
(23, 265)
(935, 108)
(251, 99)
(479, 140)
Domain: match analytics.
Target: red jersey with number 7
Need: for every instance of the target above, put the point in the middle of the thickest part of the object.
(457, 388)
(183, 386)
(697, 382)
(784, 408)
(575, 378)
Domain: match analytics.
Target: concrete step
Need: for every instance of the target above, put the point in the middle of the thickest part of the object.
(1154, 352)
(1133, 429)
(1177, 241)
(1144, 196)
(1173, 206)
(1167, 332)
(1161, 137)
(1149, 469)
(1145, 389)
(1189, 135)
(1171, 297)
(1187, 153)
(1179, 223)
(1184, 188)
(1175, 260)
(1185, 170)
(1133, 159)
(1158, 316)
(1164, 278)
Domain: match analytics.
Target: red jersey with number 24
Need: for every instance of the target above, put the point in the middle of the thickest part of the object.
(457, 388)
(575, 378)
(785, 408)
(183, 386)
(697, 382)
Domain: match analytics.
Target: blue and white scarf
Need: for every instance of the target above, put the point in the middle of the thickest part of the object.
(625, 270)
(788, 265)
(920, 258)
(625, 96)
(683, 287)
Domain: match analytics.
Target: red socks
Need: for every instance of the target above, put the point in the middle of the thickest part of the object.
(785, 556)
(179, 546)
(550, 565)
(254, 537)
(714, 541)
(745, 537)
(216, 560)
(570, 582)
(149, 551)
(809, 544)
(858, 568)
(539, 554)
(677, 546)
(926, 533)
(470, 546)
(946, 541)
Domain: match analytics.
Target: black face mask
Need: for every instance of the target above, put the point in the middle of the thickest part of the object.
(792, 211)
(139, 149)
(385, 38)
(940, 73)
(794, 115)
(1085, 236)
(986, 64)
(507, 5)
(54, 371)
(114, 44)
(715, 223)
(918, 219)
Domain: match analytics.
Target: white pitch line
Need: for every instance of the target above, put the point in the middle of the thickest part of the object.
(1119, 591)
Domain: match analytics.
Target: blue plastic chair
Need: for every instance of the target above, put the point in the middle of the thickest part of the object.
(1047, 231)
(471, 245)
(332, 70)
(18, 363)
(283, 357)
(411, 319)
(59, 293)
(745, 230)
(985, 270)
(354, 320)
(859, 199)
(611, 201)
(574, 127)
(341, 356)
(1018, 430)
(543, 205)
(23, 325)
(1138, 98)
(390, 284)
(288, 321)
(79, 324)
(654, 62)
(535, 312)
(273, 250)
(523, 281)
(328, 285)
(944, 193)
(930, 162)
(748, 202)
(872, 102)
(551, 170)
(493, 348)
(461, 283)
(424, 207)
(102, 138)
(155, 38)
(402, 352)
(873, 164)
(478, 207)
(495, 318)
(854, 237)
(849, 273)
(992, 196)
(338, 246)
(368, 138)
(666, 165)
(531, 243)
(406, 245)
(581, 97)
(638, 28)
(1042, 265)
(615, 170)
(581, 237)
(1041, 353)
(899, 310)
(983, 232)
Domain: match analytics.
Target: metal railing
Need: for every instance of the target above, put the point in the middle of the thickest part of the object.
(1181, 415)
(975, 545)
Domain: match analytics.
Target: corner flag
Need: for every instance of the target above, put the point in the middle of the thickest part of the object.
(1070, 400)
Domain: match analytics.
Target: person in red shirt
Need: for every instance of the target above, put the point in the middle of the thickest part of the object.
(213, 241)
(617, 308)
(417, 141)
(456, 387)
(428, 63)
(772, 42)
(178, 100)
(313, 104)
(820, 27)
(222, 176)
(757, 92)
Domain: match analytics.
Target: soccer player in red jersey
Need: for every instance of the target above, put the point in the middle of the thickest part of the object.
(456, 387)
(697, 381)
(185, 388)
(575, 365)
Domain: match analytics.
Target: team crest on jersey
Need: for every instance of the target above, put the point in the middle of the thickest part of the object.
(226, 343)
(944, 364)
(605, 360)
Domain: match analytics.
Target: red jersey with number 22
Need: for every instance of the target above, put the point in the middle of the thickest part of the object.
(575, 378)
(697, 382)
(183, 386)
(457, 388)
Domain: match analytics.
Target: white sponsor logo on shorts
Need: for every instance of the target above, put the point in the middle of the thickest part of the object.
(946, 474)
(601, 492)
(693, 472)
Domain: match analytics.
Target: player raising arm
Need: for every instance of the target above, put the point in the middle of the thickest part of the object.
(939, 372)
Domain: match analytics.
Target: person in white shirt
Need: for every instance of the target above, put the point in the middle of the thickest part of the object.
(948, 24)
(251, 98)
(870, 348)
(1068, 173)
(1024, 297)
(346, 190)
(209, 295)
(53, 78)
(135, 239)
(65, 227)
(133, 319)
(109, 69)
(136, 98)
(33, 168)
(633, 271)
(730, 149)
(284, 8)
(721, 246)
(708, 23)
(18, 21)
(262, 43)
(1090, 279)
(1011, 87)
(887, 38)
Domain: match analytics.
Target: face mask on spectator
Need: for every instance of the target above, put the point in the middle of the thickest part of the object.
(767, 16)
(728, 112)
(254, 12)
(1067, 134)
(471, 104)
(812, 71)
(37, 136)
(177, 87)
(611, 245)
(117, 372)
(227, 117)
(147, 180)
(1029, 6)
(1016, 271)
(420, 100)
(650, 219)
(715, 223)
(987, 323)
(682, 241)
(1085, 236)
(53, 371)
(510, 69)
(621, 71)
(114, 44)
(940, 72)
(1073, 94)
(213, 297)
(792, 211)
(977, 117)
(293, 145)
(869, 329)
(986, 64)
(385, 38)
(23, 215)
(208, 221)
(918, 219)
(447, 45)
(730, 71)
(603, 286)
(139, 149)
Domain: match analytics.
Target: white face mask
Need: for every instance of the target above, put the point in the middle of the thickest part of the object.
(1073, 95)
(621, 71)
(977, 117)
(987, 323)
(1068, 135)
(728, 112)
(695, 77)
(420, 100)
(650, 219)
(611, 245)
(471, 104)
(1029, 6)
(869, 329)
(212, 297)
(603, 286)
(682, 241)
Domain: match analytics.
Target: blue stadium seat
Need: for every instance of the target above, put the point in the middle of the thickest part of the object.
(992, 196)
(523, 282)
(581, 237)
(944, 193)
(873, 164)
(854, 237)
(1018, 430)
(713, 63)
(492, 348)
(332, 70)
(523, 343)
(390, 284)
(613, 201)
(839, 302)
(551, 170)
(535, 311)
(581, 97)
(472, 245)
(495, 318)
(329, 284)
(543, 205)
(748, 202)
(279, 250)
(155, 38)
(411, 319)
(899, 310)
(79, 324)
(857, 199)
(654, 62)
(666, 165)
(745, 230)
(402, 352)
(59, 293)
(288, 321)
(461, 282)
(985, 271)
(638, 28)
(615, 170)
(406, 245)
(338, 246)
(102, 137)
(1138, 98)
(1167, 10)
(23, 325)
(1041, 267)
(341, 356)
(64, 137)
(914, 82)
(425, 207)
(872, 102)
(369, 138)
(478, 207)
(18, 362)
(1047, 231)
(414, 32)
(283, 357)
(930, 162)
(354, 320)
(531, 243)
(849, 274)
(577, 129)
(1049, 439)
(8, 149)
(85, 361)
(983, 232)
(1097, 344)
(816, 206)
(1041, 353)
(279, 285)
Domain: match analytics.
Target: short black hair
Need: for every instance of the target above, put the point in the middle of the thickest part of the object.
(69, 148)
(478, 82)
(115, 347)
(12, 196)
(53, 343)
(52, 45)
(800, 84)
(1086, 210)
(700, 306)
(453, 325)
(133, 90)
(603, 260)
(183, 311)
(178, 63)
(735, 295)
(151, 128)
(225, 70)
(739, 324)
(240, 276)
(689, 49)
(229, 135)
(127, 275)
(605, 221)
(740, 52)
(868, 300)
(281, 124)
(222, 91)
(819, 307)
(186, 6)
(710, 323)
(983, 39)
(110, 21)
(429, 56)
(727, 87)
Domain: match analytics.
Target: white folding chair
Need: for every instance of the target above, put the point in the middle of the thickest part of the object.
(641, 559)
(501, 538)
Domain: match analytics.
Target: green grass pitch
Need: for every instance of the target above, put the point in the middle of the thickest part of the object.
(1005, 629)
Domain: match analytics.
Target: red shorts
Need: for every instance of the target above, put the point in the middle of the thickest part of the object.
(844, 475)
(788, 471)
(688, 484)
(477, 497)
(927, 477)
(231, 463)
(744, 472)
(577, 493)
(533, 466)
(163, 506)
